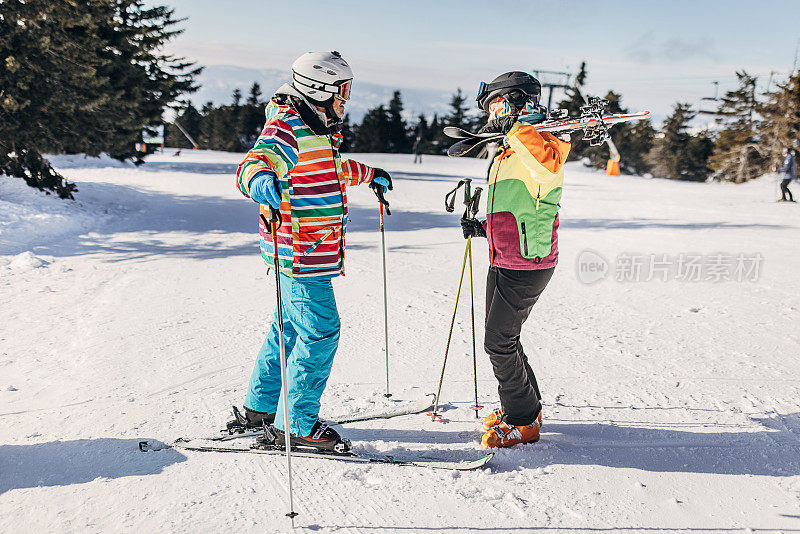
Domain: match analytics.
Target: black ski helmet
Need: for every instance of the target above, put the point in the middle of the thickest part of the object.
(517, 87)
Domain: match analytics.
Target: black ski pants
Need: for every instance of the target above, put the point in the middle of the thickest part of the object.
(510, 296)
(785, 190)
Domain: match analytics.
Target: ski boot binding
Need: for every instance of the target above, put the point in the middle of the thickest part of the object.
(496, 417)
(505, 435)
(322, 438)
(248, 421)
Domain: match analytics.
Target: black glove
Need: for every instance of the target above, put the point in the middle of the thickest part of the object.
(382, 178)
(472, 228)
(501, 125)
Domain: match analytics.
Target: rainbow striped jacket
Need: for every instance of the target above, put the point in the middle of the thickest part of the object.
(314, 180)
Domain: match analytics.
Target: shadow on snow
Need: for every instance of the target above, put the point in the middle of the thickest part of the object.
(201, 226)
(774, 451)
(62, 463)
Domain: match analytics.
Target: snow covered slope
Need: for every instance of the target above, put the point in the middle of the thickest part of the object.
(671, 404)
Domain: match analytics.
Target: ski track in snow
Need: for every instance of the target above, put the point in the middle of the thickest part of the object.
(135, 313)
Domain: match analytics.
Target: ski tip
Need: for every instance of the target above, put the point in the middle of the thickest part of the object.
(480, 462)
(152, 445)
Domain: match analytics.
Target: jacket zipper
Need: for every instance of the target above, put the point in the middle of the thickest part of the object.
(525, 238)
(318, 242)
(494, 182)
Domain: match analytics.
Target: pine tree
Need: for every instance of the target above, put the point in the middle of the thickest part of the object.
(397, 134)
(574, 99)
(458, 111)
(106, 81)
(780, 127)
(436, 145)
(191, 120)
(347, 135)
(143, 81)
(633, 140)
(251, 116)
(738, 155)
(573, 102)
(634, 144)
(254, 97)
(421, 135)
(677, 154)
(372, 135)
(243, 133)
(458, 117)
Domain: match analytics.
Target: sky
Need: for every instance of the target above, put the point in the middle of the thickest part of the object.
(654, 53)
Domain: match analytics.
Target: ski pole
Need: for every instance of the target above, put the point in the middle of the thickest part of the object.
(449, 206)
(472, 210)
(471, 203)
(273, 225)
(381, 203)
(434, 415)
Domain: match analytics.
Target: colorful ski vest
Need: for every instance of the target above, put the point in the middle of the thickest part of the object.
(314, 197)
(525, 182)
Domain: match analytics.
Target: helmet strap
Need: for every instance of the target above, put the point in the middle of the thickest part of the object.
(330, 114)
(311, 115)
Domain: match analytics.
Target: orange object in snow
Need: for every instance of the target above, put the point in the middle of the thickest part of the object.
(612, 167)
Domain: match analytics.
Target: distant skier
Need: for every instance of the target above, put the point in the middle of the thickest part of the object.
(295, 166)
(525, 181)
(789, 173)
(417, 149)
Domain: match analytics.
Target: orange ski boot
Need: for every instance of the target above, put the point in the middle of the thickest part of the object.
(492, 419)
(505, 435)
(497, 415)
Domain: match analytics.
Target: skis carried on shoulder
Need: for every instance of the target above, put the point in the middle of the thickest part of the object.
(591, 122)
(350, 456)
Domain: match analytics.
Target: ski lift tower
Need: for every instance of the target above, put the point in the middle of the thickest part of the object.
(552, 80)
(714, 98)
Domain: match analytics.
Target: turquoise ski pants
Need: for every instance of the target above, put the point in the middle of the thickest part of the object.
(311, 333)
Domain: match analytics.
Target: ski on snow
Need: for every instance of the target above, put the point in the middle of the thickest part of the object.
(405, 408)
(390, 459)
(411, 408)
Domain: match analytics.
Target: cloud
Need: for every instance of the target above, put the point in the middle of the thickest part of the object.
(647, 50)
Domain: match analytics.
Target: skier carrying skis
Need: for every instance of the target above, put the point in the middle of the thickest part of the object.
(525, 181)
(295, 167)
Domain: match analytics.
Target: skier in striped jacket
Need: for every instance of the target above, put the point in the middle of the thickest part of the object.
(295, 167)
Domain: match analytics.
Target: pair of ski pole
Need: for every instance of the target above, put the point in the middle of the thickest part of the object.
(272, 226)
(471, 204)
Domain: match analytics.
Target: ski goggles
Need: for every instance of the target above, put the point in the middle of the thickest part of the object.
(344, 90)
(482, 91)
(340, 90)
(501, 107)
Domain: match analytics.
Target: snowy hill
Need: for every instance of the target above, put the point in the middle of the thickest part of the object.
(670, 404)
(219, 81)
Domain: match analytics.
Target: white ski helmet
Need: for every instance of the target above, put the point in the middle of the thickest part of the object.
(322, 75)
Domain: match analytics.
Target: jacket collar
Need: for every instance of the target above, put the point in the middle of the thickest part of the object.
(313, 118)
